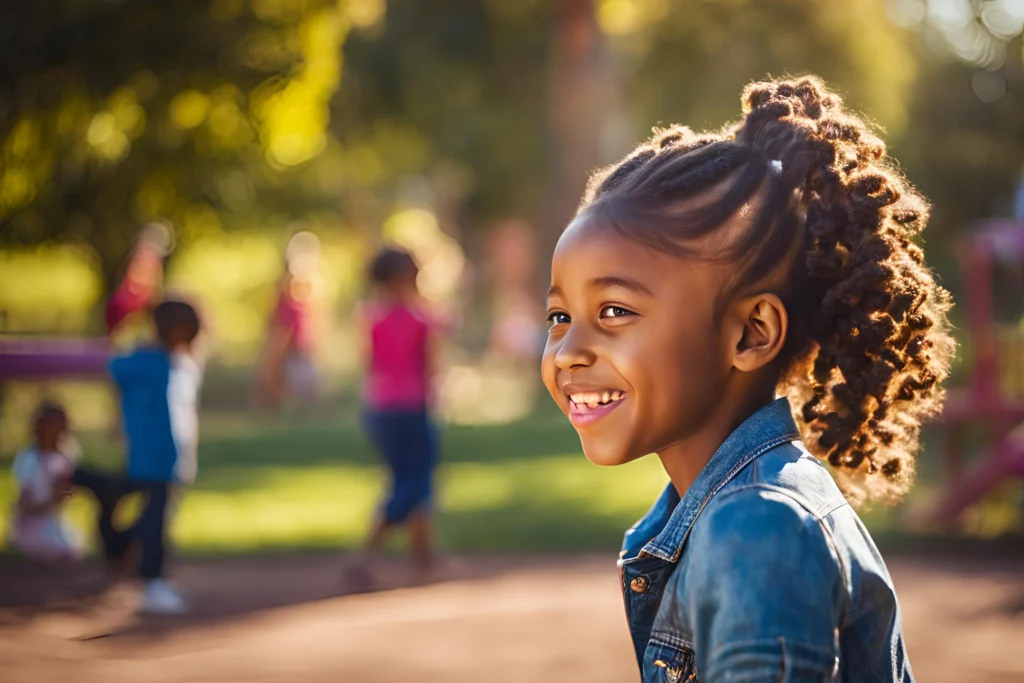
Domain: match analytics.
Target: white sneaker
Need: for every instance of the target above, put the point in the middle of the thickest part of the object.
(160, 597)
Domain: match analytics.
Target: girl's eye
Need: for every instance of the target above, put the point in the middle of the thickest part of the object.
(558, 318)
(615, 312)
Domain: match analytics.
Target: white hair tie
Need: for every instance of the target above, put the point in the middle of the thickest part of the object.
(775, 165)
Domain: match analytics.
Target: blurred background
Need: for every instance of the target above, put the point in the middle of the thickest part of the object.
(265, 148)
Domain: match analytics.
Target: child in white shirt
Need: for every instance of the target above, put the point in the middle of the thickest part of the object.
(43, 475)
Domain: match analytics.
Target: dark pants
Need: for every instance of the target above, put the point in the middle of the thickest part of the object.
(408, 443)
(149, 530)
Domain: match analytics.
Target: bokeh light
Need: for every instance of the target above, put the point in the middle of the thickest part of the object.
(440, 257)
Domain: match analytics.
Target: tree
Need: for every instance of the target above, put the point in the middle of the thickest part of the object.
(229, 113)
(946, 90)
(116, 112)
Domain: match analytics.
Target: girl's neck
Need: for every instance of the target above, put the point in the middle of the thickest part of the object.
(397, 297)
(684, 460)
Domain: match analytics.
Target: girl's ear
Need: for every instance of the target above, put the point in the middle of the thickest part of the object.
(757, 331)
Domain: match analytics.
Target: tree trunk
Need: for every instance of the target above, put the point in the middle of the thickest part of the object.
(576, 79)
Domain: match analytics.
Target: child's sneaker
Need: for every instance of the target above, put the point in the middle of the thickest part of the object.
(160, 597)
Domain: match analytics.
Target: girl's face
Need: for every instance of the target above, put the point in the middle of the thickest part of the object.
(634, 356)
(403, 285)
(50, 431)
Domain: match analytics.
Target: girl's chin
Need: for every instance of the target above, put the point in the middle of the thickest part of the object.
(605, 457)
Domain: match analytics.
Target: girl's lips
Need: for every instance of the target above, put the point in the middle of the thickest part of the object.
(580, 414)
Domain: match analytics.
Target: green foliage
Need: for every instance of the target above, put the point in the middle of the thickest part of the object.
(242, 114)
(687, 62)
(455, 91)
(116, 112)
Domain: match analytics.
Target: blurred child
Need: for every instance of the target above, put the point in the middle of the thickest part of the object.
(397, 336)
(141, 285)
(159, 388)
(43, 473)
(288, 366)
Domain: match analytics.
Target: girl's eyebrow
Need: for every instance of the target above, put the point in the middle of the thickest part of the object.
(606, 281)
(622, 282)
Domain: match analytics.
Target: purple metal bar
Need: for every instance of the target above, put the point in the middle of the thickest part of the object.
(46, 357)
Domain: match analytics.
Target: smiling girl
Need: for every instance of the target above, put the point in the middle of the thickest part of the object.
(710, 285)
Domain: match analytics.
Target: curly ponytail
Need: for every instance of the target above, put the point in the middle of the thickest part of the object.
(869, 344)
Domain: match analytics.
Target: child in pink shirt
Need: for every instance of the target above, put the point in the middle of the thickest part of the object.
(398, 336)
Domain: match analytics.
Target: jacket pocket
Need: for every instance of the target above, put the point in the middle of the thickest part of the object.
(669, 659)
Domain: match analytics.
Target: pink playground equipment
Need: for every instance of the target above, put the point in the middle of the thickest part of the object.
(994, 397)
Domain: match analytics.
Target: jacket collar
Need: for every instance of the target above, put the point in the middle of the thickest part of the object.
(663, 530)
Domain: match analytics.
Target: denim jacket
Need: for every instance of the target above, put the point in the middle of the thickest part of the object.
(761, 572)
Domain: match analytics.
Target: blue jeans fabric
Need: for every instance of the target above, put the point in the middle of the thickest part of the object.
(761, 572)
(407, 442)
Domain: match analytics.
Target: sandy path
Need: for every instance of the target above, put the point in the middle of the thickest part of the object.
(282, 619)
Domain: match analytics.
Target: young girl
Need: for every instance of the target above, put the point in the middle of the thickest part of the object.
(288, 367)
(703, 277)
(43, 475)
(139, 290)
(398, 336)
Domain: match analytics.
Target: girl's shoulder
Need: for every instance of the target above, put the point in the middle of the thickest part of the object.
(368, 312)
(372, 313)
(26, 465)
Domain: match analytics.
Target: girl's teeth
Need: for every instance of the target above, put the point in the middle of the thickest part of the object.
(594, 399)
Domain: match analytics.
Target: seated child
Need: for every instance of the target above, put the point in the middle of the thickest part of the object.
(43, 474)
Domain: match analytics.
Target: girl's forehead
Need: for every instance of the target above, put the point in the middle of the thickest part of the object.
(592, 251)
(591, 242)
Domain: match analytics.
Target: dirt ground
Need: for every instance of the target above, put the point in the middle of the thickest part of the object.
(265, 620)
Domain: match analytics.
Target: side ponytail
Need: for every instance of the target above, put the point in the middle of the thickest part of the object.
(876, 344)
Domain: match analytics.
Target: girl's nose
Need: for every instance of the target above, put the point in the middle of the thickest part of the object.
(574, 351)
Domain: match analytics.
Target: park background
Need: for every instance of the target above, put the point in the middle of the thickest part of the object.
(463, 130)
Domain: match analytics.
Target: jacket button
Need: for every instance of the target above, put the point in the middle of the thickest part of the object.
(640, 584)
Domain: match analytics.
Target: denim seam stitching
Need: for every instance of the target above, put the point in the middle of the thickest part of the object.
(765, 641)
(665, 639)
(825, 511)
(789, 437)
(782, 668)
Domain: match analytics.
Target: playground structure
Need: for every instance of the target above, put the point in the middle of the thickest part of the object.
(51, 358)
(994, 396)
(33, 357)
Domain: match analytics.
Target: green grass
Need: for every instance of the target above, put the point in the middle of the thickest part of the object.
(270, 484)
(312, 483)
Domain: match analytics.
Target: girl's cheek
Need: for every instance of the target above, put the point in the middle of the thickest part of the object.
(548, 371)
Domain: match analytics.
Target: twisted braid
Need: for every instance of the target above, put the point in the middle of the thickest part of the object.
(869, 344)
